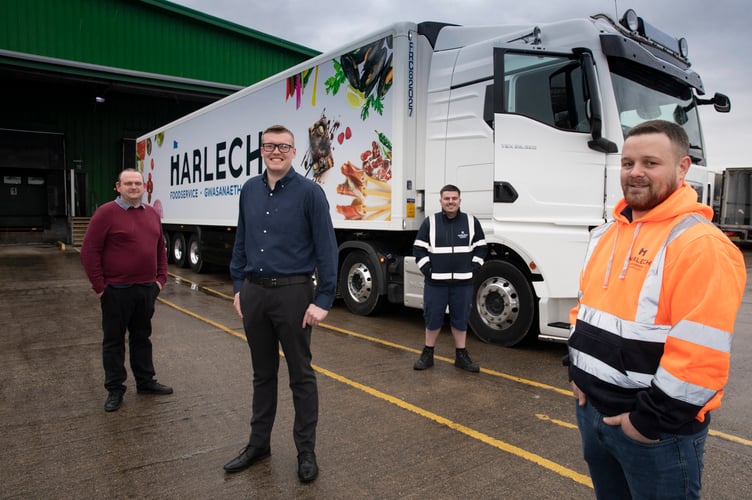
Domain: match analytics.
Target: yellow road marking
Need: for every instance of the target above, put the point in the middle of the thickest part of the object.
(351, 333)
(200, 287)
(202, 318)
(718, 434)
(449, 360)
(562, 423)
(730, 437)
(485, 438)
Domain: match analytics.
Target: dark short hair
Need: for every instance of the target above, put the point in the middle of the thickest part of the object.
(449, 187)
(279, 129)
(674, 132)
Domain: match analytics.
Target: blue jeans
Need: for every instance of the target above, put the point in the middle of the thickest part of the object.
(624, 468)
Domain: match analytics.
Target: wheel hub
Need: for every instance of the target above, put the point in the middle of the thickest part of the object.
(194, 255)
(177, 250)
(498, 303)
(359, 283)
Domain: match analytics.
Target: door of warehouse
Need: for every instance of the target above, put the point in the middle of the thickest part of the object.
(31, 179)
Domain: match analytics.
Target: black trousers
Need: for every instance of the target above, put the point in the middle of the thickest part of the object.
(273, 317)
(128, 309)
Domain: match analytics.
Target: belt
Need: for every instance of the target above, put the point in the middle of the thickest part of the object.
(272, 282)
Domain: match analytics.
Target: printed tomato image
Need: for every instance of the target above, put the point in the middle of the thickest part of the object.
(149, 187)
(141, 150)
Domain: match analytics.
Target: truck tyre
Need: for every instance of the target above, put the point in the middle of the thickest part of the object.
(503, 306)
(179, 250)
(359, 283)
(168, 249)
(195, 260)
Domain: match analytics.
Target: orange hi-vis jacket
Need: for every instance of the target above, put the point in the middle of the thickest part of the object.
(652, 332)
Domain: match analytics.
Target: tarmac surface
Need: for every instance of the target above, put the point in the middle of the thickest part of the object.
(385, 430)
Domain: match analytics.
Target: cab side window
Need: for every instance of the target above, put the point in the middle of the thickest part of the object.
(546, 88)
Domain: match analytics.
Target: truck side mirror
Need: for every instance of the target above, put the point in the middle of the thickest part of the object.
(721, 103)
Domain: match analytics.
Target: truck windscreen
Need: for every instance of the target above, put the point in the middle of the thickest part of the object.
(641, 97)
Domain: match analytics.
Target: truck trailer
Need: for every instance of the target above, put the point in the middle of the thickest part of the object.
(734, 208)
(527, 120)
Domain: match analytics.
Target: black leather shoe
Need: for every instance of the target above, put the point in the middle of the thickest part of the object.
(113, 401)
(154, 387)
(308, 469)
(248, 456)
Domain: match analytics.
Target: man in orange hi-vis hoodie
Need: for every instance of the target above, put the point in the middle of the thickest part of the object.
(650, 342)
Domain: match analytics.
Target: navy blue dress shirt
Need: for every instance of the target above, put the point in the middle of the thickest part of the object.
(286, 231)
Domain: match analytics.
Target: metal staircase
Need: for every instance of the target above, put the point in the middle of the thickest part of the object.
(78, 230)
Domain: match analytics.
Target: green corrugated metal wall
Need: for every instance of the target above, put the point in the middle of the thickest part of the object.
(153, 36)
(148, 36)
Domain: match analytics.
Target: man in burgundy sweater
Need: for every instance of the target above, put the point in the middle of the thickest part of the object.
(124, 256)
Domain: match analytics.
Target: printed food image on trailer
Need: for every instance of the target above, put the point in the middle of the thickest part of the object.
(361, 189)
(368, 185)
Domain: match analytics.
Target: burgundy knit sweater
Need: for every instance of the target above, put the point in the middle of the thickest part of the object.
(124, 247)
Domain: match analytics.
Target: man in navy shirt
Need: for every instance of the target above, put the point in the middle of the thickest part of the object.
(284, 234)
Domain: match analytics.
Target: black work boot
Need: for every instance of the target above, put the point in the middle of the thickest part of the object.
(425, 360)
(462, 360)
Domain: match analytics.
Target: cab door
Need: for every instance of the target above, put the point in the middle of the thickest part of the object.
(549, 167)
(545, 169)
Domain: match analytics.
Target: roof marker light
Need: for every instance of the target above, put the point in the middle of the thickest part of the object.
(630, 20)
(683, 48)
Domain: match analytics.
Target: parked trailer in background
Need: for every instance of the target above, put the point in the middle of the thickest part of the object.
(527, 120)
(735, 205)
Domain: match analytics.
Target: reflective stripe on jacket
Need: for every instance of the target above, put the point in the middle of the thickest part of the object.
(449, 250)
(658, 300)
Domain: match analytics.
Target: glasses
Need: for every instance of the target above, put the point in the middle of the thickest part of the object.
(269, 147)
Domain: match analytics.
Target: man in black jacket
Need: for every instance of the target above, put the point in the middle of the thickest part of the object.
(449, 249)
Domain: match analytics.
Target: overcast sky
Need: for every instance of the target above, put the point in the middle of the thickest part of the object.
(720, 46)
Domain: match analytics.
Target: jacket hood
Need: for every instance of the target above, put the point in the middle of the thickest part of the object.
(681, 202)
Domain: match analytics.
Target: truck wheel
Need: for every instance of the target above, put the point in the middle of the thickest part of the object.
(503, 306)
(168, 250)
(359, 283)
(179, 250)
(195, 261)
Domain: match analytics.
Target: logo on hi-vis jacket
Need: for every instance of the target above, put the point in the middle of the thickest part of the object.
(640, 260)
(463, 235)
